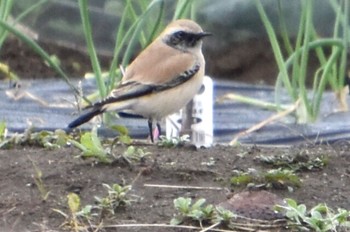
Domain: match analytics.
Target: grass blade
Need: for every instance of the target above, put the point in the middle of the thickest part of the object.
(91, 47)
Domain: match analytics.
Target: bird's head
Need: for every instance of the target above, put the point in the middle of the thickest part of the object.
(184, 34)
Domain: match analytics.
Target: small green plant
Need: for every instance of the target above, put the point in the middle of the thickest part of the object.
(201, 213)
(242, 178)
(135, 154)
(73, 220)
(47, 139)
(193, 212)
(274, 178)
(296, 163)
(86, 213)
(91, 146)
(223, 216)
(320, 218)
(37, 177)
(281, 178)
(3, 131)
(6, 71)
(210, 163)
(124, 136)
(118, 196)
(81, 218)
(173, 142)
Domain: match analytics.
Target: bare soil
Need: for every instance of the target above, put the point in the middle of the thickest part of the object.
(22, 207)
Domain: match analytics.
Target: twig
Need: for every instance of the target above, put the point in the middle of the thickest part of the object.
(182, 187)
(210, 227)
(265, 122)
(250, 101)
(137, 177)
(17, 94)
(4, 212)
(164, 226)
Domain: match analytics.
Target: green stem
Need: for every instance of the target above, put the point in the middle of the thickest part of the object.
(91, 47)
(182, 8)
(42, 53)
(139, 27)
(313, 45)
(29, 10)
(343, 59)
(321, 87)
(275, 47)
(157, 24)
(305, 56)
(254, 102)
(120, 38)
(5, 9)
(283, 28)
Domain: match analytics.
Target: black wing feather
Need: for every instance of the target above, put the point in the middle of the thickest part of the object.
(85, 117)
(134, 90)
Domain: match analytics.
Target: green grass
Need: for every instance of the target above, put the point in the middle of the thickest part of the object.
(5, 10)
(293, 63)
(7, 27)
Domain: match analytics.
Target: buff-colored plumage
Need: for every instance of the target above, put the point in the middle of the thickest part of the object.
(162, 60)
(162, 79)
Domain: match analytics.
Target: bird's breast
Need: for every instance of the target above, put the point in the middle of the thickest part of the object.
(163, 103)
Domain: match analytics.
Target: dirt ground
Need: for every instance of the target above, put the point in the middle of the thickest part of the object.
(22, 207)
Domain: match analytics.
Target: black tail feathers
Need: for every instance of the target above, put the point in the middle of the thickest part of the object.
(85, 118)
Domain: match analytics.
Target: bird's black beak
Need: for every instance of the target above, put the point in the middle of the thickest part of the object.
(204, 34)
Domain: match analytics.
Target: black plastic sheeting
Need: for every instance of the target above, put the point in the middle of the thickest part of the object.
(230, 118)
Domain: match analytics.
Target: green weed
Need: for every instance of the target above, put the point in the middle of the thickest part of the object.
(173, 142)
(44, 193)
(320, 218)
(47, 139)
(91, 147)
(274, 178)
(186, 211)
(118, 196)
(299, 162)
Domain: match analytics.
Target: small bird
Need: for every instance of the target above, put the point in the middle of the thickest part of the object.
(161, 80)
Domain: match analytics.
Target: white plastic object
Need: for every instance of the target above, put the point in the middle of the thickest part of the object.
(202, 117)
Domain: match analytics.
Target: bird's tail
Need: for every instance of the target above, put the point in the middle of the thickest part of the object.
(86, 117)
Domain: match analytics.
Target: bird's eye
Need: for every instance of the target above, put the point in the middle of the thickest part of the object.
(180, 34)
(177, 37)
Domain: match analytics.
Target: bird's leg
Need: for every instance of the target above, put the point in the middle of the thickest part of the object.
(159, 129)
(150, 127)
(154, 134)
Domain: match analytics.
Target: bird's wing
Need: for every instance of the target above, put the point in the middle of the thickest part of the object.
(134, 89)
(152, 72)
(159, 64)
